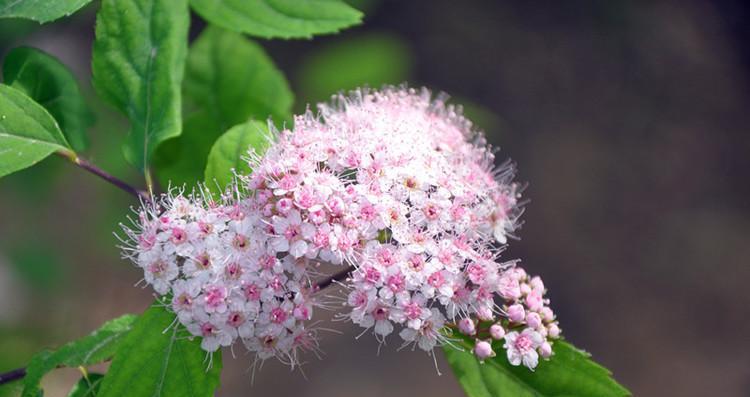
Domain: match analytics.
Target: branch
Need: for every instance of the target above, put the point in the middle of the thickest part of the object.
(10, 376)
(336, 277)
(83, 163)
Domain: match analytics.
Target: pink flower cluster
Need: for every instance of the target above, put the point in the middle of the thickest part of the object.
(527, 317)
(393, 183)
(400, 186)
(209, 260)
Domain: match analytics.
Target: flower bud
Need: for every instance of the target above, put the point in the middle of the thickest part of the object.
(553, 330)
(545, 350)
(485, 314)
(466, 326)
(547, 314)
(537, 284)
(497, 331)
(533, 320)
(483, 350)
(516, 313)
(534, 300)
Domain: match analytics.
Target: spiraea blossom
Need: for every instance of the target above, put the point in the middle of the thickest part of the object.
(209, 263)
(394, 184)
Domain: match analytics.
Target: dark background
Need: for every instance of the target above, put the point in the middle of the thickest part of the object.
(629, 121)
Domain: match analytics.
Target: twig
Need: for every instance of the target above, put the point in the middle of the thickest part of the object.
(326, 282)
(86, 165)
(10, 376)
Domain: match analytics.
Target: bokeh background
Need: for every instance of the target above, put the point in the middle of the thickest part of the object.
(629, 121)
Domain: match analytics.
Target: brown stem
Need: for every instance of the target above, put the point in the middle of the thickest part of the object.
(86, 165)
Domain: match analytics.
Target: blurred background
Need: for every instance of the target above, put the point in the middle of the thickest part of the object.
(629, 121)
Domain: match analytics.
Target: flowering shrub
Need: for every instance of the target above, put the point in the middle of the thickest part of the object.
(393, 188)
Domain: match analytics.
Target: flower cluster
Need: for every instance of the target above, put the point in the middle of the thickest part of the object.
(400, 186)
(393, 183)
(527, 317)
(209, 261)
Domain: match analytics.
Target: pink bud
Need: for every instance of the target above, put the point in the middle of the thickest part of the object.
(516, 313)
(547, 314)
(525, 289)
(466, 326)
(497, 332)
(483, 350)
(533, 320)
(485, 314)
(537, 284)
(553, 330)
(545, 350)
(534, 301)
(508, 288)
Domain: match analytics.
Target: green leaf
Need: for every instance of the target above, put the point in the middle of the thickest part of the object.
(374, 59)
(229, 79)
(87, 386)
(138, 64)
(94, 348)
(158, 359)
(284, 19)
(230, 151)
(28, 133)
(234, 79)
(570, 372)
(40, 10)
(46, 80)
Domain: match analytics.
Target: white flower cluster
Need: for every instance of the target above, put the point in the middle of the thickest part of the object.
(223, 287)
(393, 183)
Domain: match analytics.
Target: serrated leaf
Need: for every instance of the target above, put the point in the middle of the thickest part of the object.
(229, 79)
(47, 81)
(234, 79)
(158, 359)
(138, 64)
(40, 10)
(28, 133)
(284, 19)
(229, 153)
(87, 386)
(374, 59)
(570, 372)
(94, 348)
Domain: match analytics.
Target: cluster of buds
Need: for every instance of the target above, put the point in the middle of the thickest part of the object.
(393, 183)
(527, 323)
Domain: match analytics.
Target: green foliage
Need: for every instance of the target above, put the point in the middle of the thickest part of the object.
(47, 81)
(570, 372)
(229, 79)
(374, 59)
(157, 359)
(181, 161)
(28, 133)
(286, 19)
(40, 10)
(138, 63)
(230, 151)
(94, 348)
(87, 386)
(234, 79)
